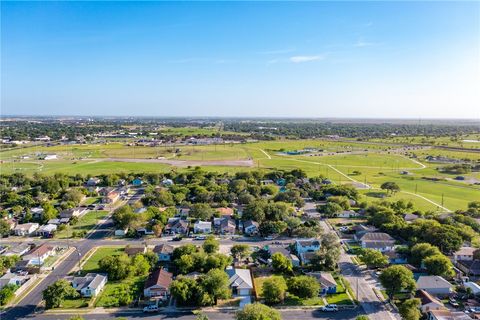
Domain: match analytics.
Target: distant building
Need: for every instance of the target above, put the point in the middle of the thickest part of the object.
(39, 254)
(202, 227)
(25, 229)
(429, 302)
(47, 230)
(164, 252)
(435, 285)
(377, 240)
(250, 227)
(327, 283)
(137, 182)
(133, 250)
(464, 254)
(306, 248)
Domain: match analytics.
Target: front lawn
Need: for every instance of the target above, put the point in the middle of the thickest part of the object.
(75, 303)
(338, 298)
(91, 265)
(292, 300)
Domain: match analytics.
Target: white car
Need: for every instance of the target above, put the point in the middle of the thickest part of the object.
(329, 308)
(151, 308)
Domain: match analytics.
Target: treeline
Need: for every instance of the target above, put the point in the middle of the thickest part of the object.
(311, 129)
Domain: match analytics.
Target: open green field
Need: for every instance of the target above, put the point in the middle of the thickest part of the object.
(376, 162)
(91, 265)
(84, 224)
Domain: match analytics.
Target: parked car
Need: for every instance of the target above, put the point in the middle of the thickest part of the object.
(453, 302)
(329, 308)
(177, 238)
(200, 238)
(151, 308)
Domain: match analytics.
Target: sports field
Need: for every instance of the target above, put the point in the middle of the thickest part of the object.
(365, 164)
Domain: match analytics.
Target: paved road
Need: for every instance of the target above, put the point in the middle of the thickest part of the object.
(216, 315)
(362, 284)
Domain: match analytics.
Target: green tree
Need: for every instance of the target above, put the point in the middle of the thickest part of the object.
(420, 251)
(211, 245)
(373, 258)
(140, 266)
(4, 228)
(124, 217)
(117, 266)
(439, 265)
(57, 292)
(410, 309)
(362, 317)
(76, 317)
(7, 293)
(215, 283)
(397, 278)
(185, 264)
(280, 263)
(391, 187)
(257, 311)
(304, 286)
(202, 211)
(331, 209)
(184, 290)
(274, 289)
(73, 195)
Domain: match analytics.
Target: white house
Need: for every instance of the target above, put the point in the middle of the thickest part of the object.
(90, 285)
(472, 285)
(464, 254)
(240, 281)
(25, 229)
(37, 212)
(18, 250)
(12, 278)
(39, 254)
(202, 227)
(435, 285)
(348, 214)
(250, 227)
(447, 315)
(158, 284)
(377, 240)
(305, 248)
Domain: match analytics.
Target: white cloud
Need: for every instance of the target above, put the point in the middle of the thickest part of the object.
(300, 59)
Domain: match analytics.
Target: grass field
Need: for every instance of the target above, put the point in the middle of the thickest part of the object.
(376, 162)
(85, 223)
(91, 265)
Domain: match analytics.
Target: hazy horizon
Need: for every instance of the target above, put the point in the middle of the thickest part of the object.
(339, 60)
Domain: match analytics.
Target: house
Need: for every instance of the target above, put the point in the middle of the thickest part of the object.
(327, 283)
(50, 157)
(176, 226)
(89, 285)
(250, 227)
(111, 197)
(395, 257)
(158, 284)
(473, 286)
(464, 254)
(12, 278)
(447, 315)
(469, 268)
(37, 212)
(240, 281)
(47, 230)
(202, 227)
(167, 182)
(435, 285)
(429, 302)
(348, 214)
(137, 182)
(70, 213)
(164, 252)
(280, 249)
(25, 229)
(92, 182)
(17, 250)
(39, 254)
(377, 240)
(361, 229)
(224, 225)
(54, 221)
(133, 250)
(409, 217)
(306, 248)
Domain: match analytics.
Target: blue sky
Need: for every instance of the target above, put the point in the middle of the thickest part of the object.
(300, 59)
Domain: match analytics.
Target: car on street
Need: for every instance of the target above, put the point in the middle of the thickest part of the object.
(177, 238)
(150, 308)
(200, 238)
(329, 308)
(453, 302)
